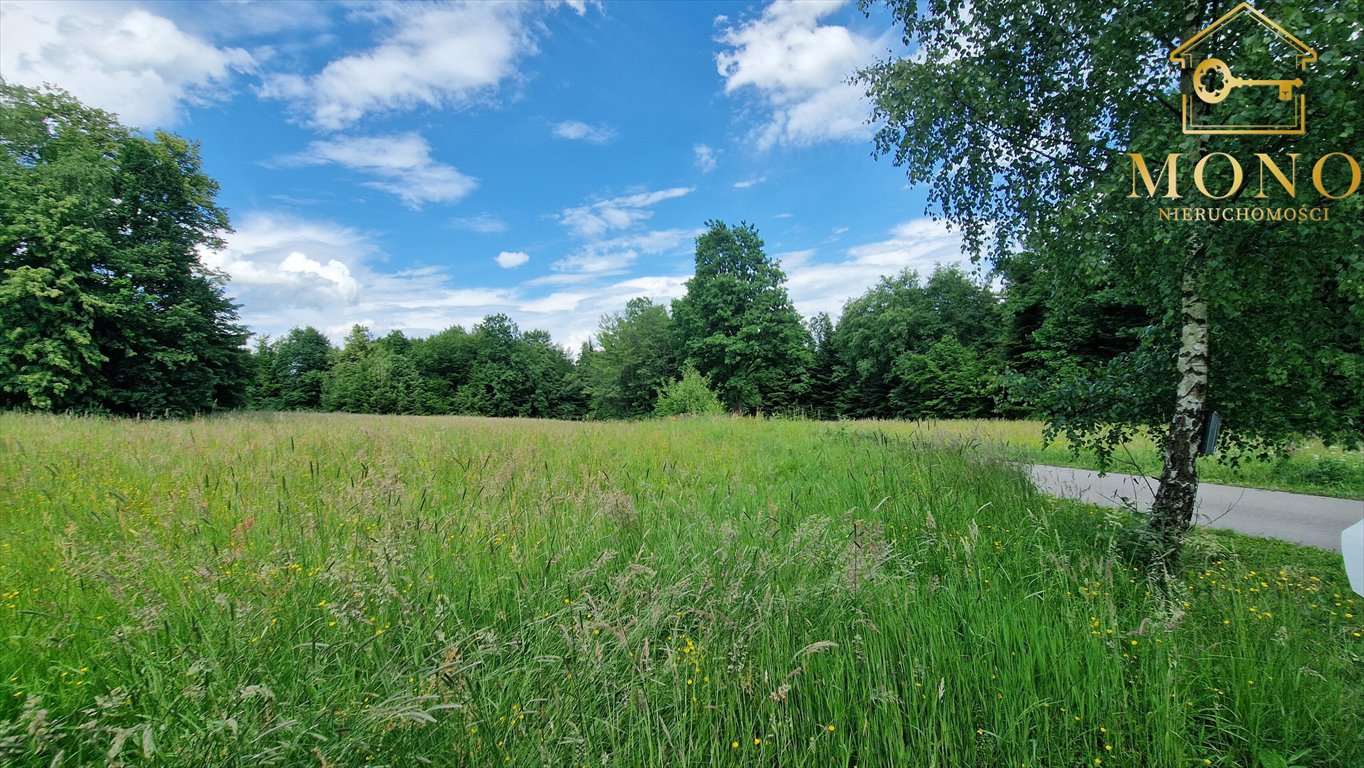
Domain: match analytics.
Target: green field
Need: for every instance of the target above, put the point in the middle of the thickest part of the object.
(1309, 467)
(350, 591)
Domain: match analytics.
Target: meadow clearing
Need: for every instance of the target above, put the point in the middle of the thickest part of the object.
(334, 590)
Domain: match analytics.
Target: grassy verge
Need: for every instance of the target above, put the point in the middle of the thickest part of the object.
(330, 590)
(1311, 467)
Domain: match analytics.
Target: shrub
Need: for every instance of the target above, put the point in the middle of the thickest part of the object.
(689, 395)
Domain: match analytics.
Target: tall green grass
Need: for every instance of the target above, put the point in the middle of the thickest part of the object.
(1309, 467)
(346, 591)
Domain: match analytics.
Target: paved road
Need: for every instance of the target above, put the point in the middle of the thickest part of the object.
(1313, 520)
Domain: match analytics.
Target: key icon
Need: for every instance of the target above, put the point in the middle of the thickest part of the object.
(1228, 81)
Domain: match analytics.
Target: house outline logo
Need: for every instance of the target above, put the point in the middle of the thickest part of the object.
(1187, 54)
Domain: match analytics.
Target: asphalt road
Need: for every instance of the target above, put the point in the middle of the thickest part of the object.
(1313, 520)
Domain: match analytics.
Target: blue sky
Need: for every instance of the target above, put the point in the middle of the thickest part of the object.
(419, 165)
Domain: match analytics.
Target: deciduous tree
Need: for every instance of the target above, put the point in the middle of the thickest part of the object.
(736, 324)
(1020, 122)
(104, 304)
(633, 357)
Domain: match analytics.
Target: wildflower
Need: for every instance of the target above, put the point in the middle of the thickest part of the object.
(757, 742)
(830, 729)
(734, 744)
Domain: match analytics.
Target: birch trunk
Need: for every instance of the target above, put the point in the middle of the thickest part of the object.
(1173, 509)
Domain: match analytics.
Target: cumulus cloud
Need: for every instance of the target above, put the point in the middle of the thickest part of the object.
(574, 130)
(282, 268)
(512, 259)
(288, 271)
(798, 70)
(130, 61)
(400, 164)
(596, 219)
(438, 56)
(706, 158)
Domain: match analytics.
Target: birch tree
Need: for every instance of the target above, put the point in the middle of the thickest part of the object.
(1020, 124)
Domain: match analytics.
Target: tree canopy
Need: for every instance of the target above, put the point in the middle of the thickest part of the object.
(1020, 124)
(633, 357)
(736, 324)
(104, 304)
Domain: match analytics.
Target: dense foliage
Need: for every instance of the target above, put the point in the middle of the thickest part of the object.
(1021, 126)
(906, 349)
(104, 305)
(737, 325)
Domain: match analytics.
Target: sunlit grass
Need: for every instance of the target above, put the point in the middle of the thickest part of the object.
(345, 591)
(1310, 467)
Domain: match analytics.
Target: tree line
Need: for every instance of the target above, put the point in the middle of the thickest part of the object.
(908, 348)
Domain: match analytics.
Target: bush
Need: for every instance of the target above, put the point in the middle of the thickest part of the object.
(689, 395)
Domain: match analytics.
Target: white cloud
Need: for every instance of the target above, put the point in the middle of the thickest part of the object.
(578, 6)
(799, 70)
(596, 219)
(824, 287)
(432, 55)
(792, 259)
(126, 60)
(483, 223)
(613, 256)
(512, 259)
(400, 164)
(555, 303)
(749, 183)
(574, 130)
(283, 267)
(288, 271)
(707, 159)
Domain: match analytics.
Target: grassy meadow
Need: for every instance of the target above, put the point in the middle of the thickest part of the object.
(366, 591)
(1310, 467)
